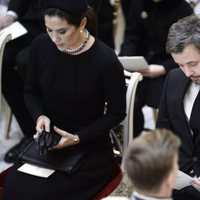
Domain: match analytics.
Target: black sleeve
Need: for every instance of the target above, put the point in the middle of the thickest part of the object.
(115, 95)
(32, 93)
(18, 6)
(133, 31)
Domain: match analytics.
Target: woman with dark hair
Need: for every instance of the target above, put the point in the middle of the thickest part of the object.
(70, 78)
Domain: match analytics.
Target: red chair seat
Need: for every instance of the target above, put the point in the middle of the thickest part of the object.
(2, 180)
(112, 185)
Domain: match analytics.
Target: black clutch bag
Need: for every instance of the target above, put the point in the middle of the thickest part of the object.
(67, 160)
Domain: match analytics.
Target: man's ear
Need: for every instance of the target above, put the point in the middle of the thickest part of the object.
(172, 176)
(171, 179)
(166, 185)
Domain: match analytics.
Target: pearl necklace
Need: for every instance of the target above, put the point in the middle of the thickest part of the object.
(81, 46)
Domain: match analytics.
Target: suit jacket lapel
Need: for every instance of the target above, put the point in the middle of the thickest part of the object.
(183, 118)
(180, 109)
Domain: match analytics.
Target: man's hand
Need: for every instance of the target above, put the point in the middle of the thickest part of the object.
(196, 184)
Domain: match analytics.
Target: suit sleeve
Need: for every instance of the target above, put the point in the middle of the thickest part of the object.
(163, 120)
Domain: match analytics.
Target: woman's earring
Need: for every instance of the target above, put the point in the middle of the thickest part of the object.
(81, 31)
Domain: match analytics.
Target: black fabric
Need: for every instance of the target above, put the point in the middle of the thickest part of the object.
(126, 5)
(187, 193)
(12, 85)
(86, 183)
(77, 7)
(12, 155)
(194, 124)
(66, 160)
(104, 11)
(21, 61)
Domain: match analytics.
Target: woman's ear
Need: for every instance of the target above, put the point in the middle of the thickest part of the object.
(83, 24)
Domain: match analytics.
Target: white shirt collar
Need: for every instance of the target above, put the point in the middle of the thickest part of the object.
(189, 98)
(148, 198)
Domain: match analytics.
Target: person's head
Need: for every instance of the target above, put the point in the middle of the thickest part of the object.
(152, 162)
(183, 43)
(66, 21)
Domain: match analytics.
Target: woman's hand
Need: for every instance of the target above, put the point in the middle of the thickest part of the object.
(196, 184)
(67, 139)
(43, 123)
(153, 71)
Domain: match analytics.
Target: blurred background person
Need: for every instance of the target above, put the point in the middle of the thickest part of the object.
(146, 36)
(105, 16)
(126, 8)
(13, 72)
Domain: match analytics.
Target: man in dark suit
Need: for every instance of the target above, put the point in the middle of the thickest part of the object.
(180, 102)
(13, 72)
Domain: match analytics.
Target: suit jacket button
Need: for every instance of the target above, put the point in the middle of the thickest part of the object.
(195, 159)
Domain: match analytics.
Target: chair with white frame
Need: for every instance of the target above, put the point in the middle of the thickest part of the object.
(4, 38)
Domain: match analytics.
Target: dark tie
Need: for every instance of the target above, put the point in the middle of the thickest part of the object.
(195, 118)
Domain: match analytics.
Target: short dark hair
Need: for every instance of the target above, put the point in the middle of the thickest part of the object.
(151, 158)
(183, 33)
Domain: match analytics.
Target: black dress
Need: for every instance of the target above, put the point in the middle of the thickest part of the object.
(72, 91)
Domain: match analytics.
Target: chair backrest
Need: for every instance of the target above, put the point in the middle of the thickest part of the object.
(132, 80)
(135, 78)
(4, 38)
